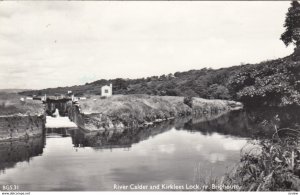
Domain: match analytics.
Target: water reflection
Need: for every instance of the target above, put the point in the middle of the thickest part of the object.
(166, 153)
(254, 124)
(240, 124)
(168, 157)
(118, 138)
(12, 152)
(236, 123)
(60, 132)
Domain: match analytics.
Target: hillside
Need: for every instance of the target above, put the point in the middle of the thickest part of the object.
(274, 82)
(195, 83)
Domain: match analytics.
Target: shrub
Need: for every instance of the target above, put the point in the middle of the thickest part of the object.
(274, 167)
(188, 101)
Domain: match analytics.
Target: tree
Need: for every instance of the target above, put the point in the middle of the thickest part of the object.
(292, 25)
(120, 84)
(218, 92)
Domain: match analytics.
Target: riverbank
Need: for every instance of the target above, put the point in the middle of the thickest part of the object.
(23, 119)
(20, 119)
(130, 111)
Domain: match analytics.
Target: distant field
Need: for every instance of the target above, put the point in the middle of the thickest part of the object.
(13, 90)
(10, 104)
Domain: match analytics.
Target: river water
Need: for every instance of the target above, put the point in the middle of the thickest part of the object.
(175, 152)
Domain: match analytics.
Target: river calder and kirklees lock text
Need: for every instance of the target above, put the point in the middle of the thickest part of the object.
(171, 187)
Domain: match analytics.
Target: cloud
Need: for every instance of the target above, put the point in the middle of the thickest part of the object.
(235, 145)
(166, 148)
(62, 43)
(215, 157)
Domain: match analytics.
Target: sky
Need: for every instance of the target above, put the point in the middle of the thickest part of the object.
(50, 44)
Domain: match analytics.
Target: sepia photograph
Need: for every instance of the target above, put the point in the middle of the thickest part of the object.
(160, 96)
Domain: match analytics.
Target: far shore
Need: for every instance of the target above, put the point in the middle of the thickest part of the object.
(28, 118)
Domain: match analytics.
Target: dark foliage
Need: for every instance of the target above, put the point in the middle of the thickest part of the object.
(271, 83)
(188, 101)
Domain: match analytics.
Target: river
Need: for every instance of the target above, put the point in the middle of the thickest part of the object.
(175, 152)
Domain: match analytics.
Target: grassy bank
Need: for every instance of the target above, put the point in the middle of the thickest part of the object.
(140, 106)
(20, 119)
(121, 111)
(146, 104)
(10, 104)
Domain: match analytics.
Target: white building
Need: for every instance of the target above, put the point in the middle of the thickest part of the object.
(106, 90)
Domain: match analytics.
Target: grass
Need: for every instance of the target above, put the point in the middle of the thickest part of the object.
(95, 104)
(134, 109)
(10, 104)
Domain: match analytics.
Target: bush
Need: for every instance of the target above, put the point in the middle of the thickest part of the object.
(188, 101)
(218, 92)
(273, 166)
